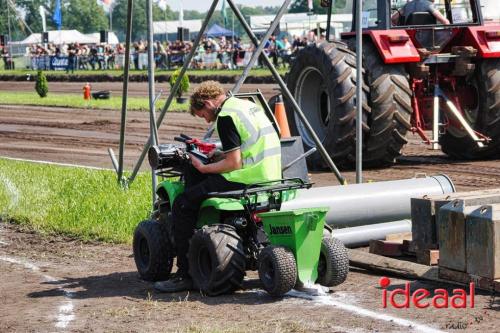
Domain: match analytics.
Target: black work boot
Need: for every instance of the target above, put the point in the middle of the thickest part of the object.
(178, 282)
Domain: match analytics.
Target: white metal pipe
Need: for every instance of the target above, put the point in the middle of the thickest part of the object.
(369, 203)
(464, 123)
(361, 236)
(435, 123)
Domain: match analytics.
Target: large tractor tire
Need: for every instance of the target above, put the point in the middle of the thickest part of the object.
(391, 110)
(322, 80)
(277, 270)
(480, 100)
(333, 265)
(216, 259)
(152, 251)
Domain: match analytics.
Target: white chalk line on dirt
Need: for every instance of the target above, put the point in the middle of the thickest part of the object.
(56, 163)
(13, 195)
(328, 300)
(12, 190)
(65, 313)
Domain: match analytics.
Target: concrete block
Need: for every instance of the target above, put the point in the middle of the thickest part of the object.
(483, 242)
(424, 210)
(451, 231)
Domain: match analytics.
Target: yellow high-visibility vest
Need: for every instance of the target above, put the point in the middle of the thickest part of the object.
(260, 144)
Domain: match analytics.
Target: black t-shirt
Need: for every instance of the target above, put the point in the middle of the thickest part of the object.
(418, 6)
(228, 135)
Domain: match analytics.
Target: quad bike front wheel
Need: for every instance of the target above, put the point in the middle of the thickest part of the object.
(152, 251)
(277, 270)
(480, 101)
(216, 259)
(333, 265)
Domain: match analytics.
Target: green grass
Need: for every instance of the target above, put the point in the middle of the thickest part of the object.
(77, 101)
(82, 203)
(113, 72)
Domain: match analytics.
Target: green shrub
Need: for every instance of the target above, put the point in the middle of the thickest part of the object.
(41, 86)
(184, 87)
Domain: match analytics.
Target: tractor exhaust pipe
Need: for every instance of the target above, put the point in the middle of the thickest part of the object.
(369, 203)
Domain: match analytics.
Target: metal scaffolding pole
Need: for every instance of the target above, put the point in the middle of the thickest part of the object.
(260, 46)
(359, 92)
(273, 70)
(288, 95)
(329, 20)
(128, 39)
(187, 61)
(151, 90)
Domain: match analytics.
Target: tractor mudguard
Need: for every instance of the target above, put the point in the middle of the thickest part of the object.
(171, 188)
(394, 46)
(486, 39)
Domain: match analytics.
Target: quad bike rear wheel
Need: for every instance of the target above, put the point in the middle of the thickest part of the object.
(277, 270)
(153, 253)
(322, 80)
(216, 259)
(480, 101)
(333, 265)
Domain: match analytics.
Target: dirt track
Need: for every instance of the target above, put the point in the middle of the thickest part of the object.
(53, 284)
(80, 136)
(136, 89)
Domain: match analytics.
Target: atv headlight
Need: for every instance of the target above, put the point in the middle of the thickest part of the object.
(154, 157)
(165, 156)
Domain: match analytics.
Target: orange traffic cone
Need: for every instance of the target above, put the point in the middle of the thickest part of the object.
(280, 115)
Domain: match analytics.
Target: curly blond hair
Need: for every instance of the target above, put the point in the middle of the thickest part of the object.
(205, 91)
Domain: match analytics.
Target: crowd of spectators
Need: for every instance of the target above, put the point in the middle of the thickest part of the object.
(212, 53)
(79, 56)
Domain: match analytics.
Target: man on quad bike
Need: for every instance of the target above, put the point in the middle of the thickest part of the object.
(417, 6)
(251, 153)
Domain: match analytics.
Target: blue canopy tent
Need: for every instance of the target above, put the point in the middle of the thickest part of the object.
(218, 31)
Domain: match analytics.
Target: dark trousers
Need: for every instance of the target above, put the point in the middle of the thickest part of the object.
(187, 205)
(71, 65)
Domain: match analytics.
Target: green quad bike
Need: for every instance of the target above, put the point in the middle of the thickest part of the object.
(238, 231)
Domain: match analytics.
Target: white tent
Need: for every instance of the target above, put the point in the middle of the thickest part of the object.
(170, 27)
(300, 23)
(96, 37)
(58, 37)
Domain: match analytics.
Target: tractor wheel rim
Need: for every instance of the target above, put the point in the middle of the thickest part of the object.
(311, 94)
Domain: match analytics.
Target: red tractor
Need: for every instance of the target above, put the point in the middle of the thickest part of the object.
(419, 75)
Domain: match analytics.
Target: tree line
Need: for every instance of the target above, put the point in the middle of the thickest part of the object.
(89, 16)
